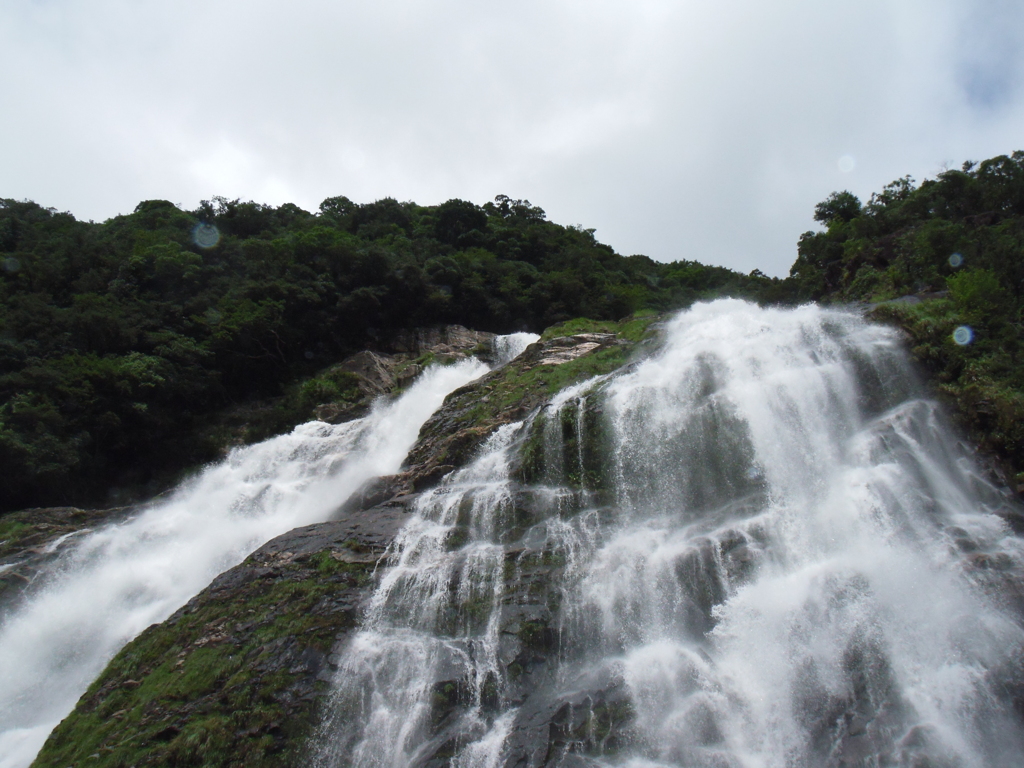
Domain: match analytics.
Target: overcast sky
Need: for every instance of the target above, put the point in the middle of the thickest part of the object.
(693, 129)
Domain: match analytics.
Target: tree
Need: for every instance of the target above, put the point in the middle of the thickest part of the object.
(456, 218)
(839, 206)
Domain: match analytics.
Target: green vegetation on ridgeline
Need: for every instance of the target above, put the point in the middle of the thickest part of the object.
(958, 242)
(470, 414)
(120, 340)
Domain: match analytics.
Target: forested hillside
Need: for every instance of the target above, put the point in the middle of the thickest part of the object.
(956, 244)
(119, 340)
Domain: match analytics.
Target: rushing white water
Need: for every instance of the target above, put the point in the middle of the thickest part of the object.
(508, 348)
(412, 638)
(760, 547)
(122, 578)
(796, 580)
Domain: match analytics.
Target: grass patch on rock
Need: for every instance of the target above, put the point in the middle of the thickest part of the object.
(453, 434)
(982, 381)
(229, 680)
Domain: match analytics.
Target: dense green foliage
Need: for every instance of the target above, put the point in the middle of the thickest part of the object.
(119, 340)
(958, 242)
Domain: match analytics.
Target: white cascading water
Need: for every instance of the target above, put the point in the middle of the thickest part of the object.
(802, 573)
(412, 637)
(121, 578)
(762, 535)
(508, 348)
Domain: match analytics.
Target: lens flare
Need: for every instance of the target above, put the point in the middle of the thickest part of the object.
(963, 335)
(11, 264)
(846, 163)
(956, 260)
(205, 235)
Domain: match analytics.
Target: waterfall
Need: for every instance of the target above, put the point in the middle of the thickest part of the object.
(422, 634)
(121, 578)
(760, 547)
(508, 348)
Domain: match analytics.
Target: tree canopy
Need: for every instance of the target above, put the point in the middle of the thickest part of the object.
(118, 340)
(957, 242)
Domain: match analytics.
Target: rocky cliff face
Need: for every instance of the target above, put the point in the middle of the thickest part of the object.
(383, 371)
(243, 674)
(239, 676)
(32, 538)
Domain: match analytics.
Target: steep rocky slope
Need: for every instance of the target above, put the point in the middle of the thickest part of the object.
(32, 538)
(239, 675)
(233, 677)
(242, 674)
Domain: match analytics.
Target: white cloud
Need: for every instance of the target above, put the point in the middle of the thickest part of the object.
(696, 129)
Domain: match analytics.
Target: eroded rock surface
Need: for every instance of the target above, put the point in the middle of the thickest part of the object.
(235, 676)
(563, 349)
(396, 364)
(32, 538)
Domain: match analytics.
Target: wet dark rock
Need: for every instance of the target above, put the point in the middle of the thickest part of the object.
(698, 573)
(454, 434)
(391, 489)
(396, 363)
(236, 676)
(32, 538)
(592, 720)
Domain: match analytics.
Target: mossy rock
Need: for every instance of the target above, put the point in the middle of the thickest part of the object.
(982, 382)
(237, 676)
(453, 435)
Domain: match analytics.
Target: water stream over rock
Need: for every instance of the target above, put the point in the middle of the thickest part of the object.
(759, 547)
(121, 578)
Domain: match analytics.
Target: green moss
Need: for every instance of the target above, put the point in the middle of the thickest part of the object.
(553, 558)
(544, 380)
(577, 326)
(12, 531)
(633, 328)
(484, 347)
(476, 611)
(578, 458)
(188, 691)
(354, 545)
(536, 634)
(606, 728)
(457, 538)
(532, 453)
(982, 381)
(445, 697)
